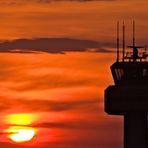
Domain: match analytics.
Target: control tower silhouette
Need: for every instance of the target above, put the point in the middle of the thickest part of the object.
(129, 96)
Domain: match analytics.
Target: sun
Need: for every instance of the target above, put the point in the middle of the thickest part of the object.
(21, 134)
(19, 129)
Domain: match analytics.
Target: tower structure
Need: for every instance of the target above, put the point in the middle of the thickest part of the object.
(128, 97)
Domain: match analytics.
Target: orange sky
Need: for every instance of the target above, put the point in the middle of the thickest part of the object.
(91, 20)
(61, 95)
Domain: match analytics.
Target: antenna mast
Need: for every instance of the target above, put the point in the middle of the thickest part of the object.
(123, 41)
(133, 33)
(118, 41)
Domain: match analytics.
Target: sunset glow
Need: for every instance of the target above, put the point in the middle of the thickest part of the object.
(54, 66)
(20, 119)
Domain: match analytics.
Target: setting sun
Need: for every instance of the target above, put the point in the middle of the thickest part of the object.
(21, 134)
(19, 129)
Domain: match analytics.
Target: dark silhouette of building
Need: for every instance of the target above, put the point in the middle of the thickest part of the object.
(129, 96)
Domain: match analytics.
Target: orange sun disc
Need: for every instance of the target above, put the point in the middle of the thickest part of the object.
(21, 133)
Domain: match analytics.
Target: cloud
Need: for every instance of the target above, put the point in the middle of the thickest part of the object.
(51, 81)
(12, 2)
(68, 125)
(50, 45)
(47, 105)
(48, 1)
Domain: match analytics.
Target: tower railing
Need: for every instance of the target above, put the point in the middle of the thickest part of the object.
(141, 56)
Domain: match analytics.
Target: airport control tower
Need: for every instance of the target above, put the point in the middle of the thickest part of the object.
(129, 96)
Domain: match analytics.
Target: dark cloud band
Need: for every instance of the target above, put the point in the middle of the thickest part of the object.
(50, 45)
(15, 2)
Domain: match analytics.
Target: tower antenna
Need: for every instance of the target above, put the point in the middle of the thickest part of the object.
(123, 52)
(118, 41)
(133, 33)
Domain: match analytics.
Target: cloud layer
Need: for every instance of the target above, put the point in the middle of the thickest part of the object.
(45, 1)
(47, 105)
(50, 45)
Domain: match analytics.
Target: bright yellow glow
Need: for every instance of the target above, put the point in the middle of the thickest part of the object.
(21, 134)
(20, 119)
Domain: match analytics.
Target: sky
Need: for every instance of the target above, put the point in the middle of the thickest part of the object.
(54, 67)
